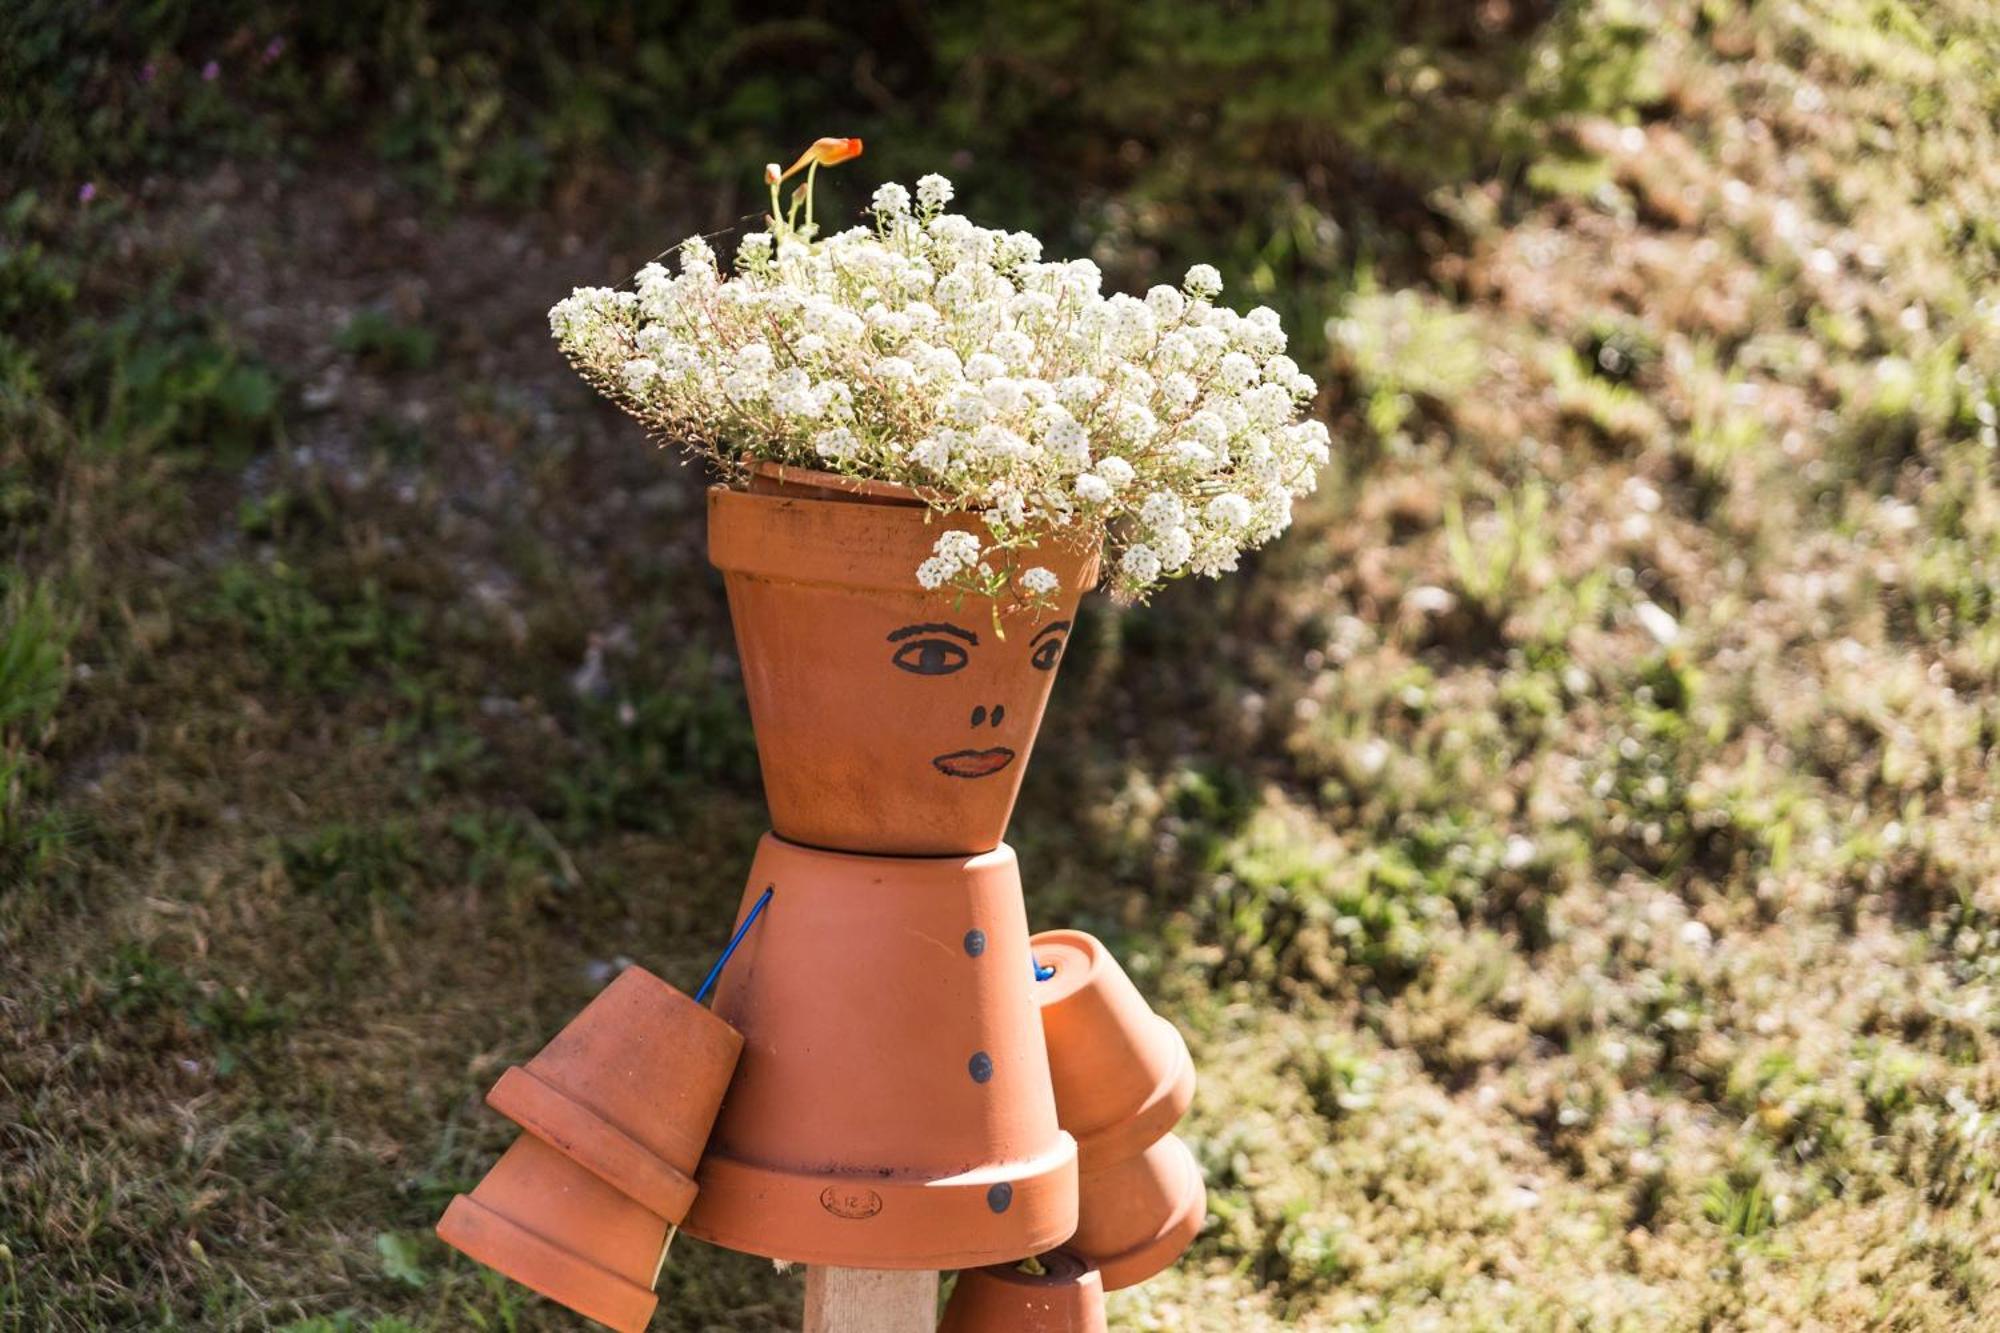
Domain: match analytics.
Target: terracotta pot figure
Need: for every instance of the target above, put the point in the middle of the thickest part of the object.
(889, 720)
(892, 1108)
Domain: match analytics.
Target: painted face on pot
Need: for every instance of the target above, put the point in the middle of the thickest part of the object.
(936, 650)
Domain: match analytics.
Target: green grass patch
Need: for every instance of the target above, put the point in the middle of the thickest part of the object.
(312, 633)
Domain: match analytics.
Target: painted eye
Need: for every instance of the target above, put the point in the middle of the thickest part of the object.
(1047, 654)
(930, 657)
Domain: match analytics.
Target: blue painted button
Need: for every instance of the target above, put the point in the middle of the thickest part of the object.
(975, 942)
(999, 1197)
(981, 1066)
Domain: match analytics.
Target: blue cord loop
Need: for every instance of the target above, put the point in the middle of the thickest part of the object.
(1041, 973)
(708, 983)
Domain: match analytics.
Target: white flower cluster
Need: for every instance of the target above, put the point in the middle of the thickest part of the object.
(952, 554)
(932, 353)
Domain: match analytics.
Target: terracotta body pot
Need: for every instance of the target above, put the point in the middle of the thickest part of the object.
(629, 1089)
(1122, 1073)
(892, 1108)
(1136, 1217)
(888, 719)
(1067, 1298)
(549, 1224)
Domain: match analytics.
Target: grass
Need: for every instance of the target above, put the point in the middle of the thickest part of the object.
(1569, 851)
(33, 678)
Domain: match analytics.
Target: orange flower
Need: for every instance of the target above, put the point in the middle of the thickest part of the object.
(823, 153)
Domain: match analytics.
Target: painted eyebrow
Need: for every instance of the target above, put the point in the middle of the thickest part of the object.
(934, 628)
(1049, 629)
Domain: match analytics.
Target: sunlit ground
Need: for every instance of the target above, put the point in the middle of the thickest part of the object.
(1571, 852)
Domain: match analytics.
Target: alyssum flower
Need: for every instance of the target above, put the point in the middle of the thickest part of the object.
(955, 360)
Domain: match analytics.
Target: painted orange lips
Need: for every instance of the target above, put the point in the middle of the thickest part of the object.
(973, 763)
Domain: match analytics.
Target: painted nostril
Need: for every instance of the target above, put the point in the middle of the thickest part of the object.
(979, 715)
(999, 711)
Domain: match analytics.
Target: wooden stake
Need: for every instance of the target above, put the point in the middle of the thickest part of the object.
(870, 1300)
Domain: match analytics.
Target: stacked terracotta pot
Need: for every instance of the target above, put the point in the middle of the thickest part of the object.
(1123, 1079)
(893, 1108)
(910, 1093)
(617, 1109)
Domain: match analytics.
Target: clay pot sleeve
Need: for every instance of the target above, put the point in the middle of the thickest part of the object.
(848, 544)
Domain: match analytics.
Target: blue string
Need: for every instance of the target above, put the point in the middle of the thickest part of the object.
(708, 983)
(1041, 973)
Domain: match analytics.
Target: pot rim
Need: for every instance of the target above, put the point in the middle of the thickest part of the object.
(592, 1142)
(826, 540)
(777, 1211)
(1063, 1268)
(1063, 940)
(791, 474)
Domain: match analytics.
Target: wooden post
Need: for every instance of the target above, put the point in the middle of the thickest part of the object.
(870, 1300)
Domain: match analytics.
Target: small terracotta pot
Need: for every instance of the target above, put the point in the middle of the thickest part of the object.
(547, 1223)
(1122, 1073)
(1068, 1297)
(889, 719)
(1134, 1218)
(629, 1089)
(892, 1107)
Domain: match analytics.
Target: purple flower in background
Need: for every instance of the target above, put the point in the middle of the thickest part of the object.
(210, 71)
(147, 71)
(273, 49)
(87, 192)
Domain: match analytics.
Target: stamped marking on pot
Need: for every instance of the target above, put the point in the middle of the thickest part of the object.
(855, 1203)
(999, 1197)
(980, 1066)
(975, 942)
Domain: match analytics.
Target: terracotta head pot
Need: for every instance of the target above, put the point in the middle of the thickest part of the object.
(1121, 1072)
(1136, 1217)
(892, 1107)
(888, 719)
(1066, 1297)
(547, 1223)
(629, 1089)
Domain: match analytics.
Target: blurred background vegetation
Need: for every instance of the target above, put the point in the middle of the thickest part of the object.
(1571, 851)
